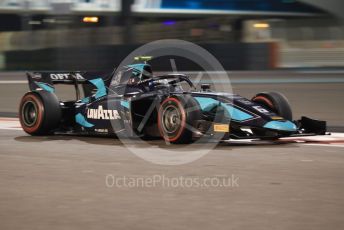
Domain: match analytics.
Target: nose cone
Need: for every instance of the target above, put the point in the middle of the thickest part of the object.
(281, 125)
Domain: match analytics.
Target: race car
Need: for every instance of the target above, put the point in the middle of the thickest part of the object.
(131, 101)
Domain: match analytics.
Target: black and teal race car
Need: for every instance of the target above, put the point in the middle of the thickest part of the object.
(133, 102)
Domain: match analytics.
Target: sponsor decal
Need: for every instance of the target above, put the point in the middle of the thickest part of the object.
(101, 130)
(65, 76)
(277, 118)
(246, 102)
(102, 114)
(37, 76)
(222, 128)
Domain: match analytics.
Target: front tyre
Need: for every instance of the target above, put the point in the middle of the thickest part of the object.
(176, 117)
(39, 112)
(275, 102)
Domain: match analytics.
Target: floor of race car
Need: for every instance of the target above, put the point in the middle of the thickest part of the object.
(59, 182)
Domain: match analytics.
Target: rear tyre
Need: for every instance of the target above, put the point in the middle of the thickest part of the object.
(275, 102)
(39, 112)
(176, 118)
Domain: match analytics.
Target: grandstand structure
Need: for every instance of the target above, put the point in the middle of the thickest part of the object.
(166, 7)
(310, 32)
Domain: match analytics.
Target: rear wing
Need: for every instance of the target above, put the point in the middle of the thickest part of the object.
(47, 80)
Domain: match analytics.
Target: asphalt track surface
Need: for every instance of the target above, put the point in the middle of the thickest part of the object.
(60, 182)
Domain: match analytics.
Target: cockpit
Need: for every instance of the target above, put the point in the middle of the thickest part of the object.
(139, 78)
(132, 74)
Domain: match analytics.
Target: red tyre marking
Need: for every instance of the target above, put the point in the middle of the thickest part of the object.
(266, 100)
(40, 112)
(182, 123)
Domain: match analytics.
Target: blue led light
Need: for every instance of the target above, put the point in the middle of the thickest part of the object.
(169, 23)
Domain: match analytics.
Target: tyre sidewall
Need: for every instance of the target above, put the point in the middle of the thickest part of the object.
(48, 110)
(189, 110)
(35, 99)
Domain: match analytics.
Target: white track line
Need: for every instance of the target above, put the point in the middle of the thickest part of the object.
(10, 123)
(13, 82)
